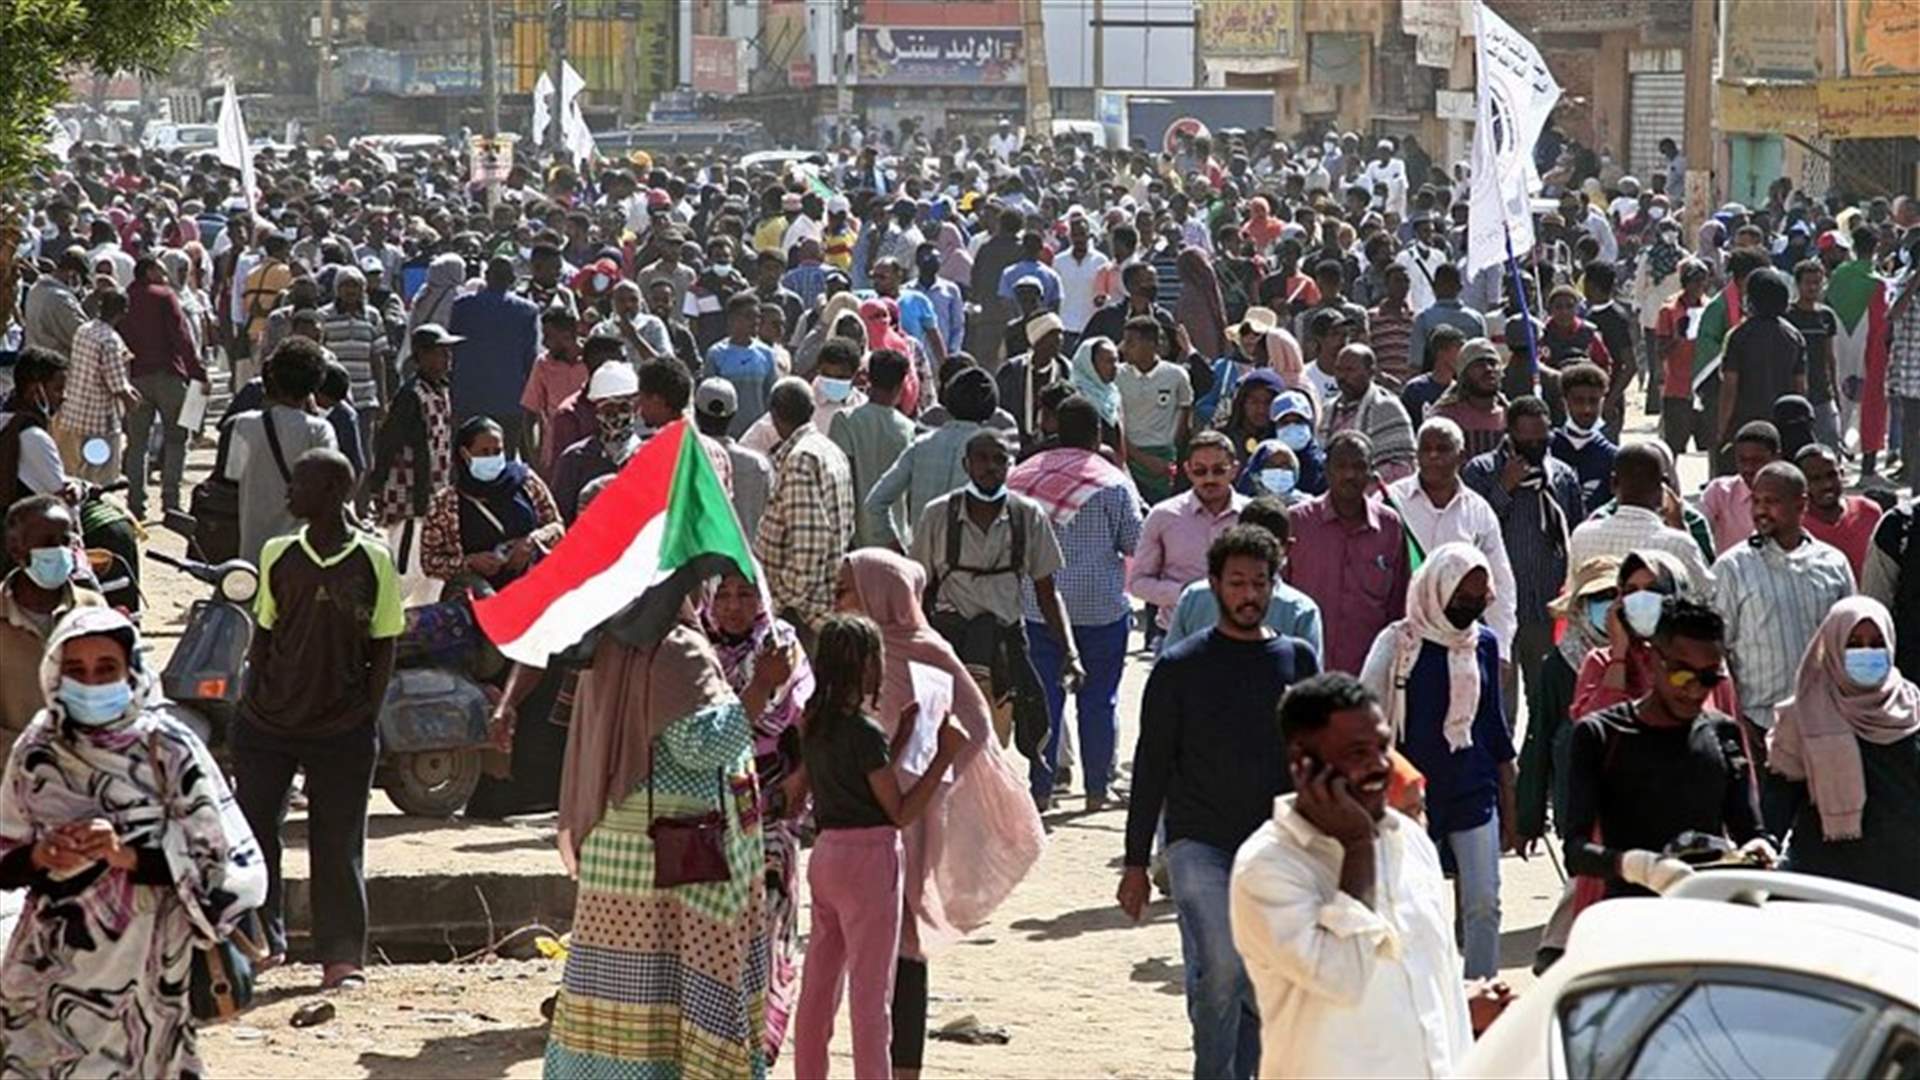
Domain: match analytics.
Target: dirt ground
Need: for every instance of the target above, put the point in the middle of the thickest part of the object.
(1080, 990)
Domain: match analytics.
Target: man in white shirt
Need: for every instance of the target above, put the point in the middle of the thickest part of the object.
(1079, 268)
(1004, 142)
(1339, 909)
(1391, 171)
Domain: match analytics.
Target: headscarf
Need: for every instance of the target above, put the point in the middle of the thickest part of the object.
(783, 709)
(881, 317)
(1262, 229)
(1580, 637)
(1287, 361)
(1200, 308)
(147, 774)
(1087, 382)
(1817, 733)
(956, 262)
(433, 303)
(981, 834)
(625, 700)
(1428, 592)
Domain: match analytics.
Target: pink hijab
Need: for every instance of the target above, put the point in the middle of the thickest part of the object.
(1288, 362)
(980, 835)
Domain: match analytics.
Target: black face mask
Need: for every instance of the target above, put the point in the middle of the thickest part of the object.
(1464, 613)
(1534, 453)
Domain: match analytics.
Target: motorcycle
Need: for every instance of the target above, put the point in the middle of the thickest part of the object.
(433, 722)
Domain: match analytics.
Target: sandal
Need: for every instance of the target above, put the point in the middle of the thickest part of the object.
(343, 977)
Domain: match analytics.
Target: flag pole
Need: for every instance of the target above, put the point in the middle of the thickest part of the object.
(1526, 317)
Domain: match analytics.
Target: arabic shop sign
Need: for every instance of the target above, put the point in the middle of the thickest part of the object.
(973, 56)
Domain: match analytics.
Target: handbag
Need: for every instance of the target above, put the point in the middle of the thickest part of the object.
(689, 849)
(220, 979)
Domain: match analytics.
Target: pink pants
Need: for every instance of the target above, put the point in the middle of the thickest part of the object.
(855, 878)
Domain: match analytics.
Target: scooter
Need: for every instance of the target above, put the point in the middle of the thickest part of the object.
(433, 723)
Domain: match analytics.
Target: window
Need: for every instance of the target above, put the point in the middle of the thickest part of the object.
(1723, 1029)
(1599, 1027)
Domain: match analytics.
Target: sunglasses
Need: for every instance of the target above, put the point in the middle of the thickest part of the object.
(1679, 676)
(1216, 471)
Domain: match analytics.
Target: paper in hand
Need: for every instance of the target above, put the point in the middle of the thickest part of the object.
(933, 692)
(193, 409)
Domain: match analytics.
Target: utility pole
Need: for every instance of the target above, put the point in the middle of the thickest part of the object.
(323, 84)
(1099, 49)
(557, 52)
(1039, 94)
(1701, 49)
(490, 67)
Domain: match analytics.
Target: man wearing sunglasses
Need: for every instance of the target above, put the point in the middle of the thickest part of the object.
(1647, 770)
(1174, 540)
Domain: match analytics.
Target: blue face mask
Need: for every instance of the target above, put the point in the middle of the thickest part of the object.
(487, 469)
(1597, 615)
(833, 391)
(1295, 436)
(1868, 667)
(50, 567)
(999, 493)
(1278, 481)
(95, 706)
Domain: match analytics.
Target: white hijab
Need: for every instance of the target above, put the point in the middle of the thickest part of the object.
(1427, 595)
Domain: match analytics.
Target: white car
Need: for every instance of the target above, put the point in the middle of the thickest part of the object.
(1732, 973)
(166, 137)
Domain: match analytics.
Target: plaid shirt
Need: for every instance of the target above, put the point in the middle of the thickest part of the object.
(1903, 349)
(96, 373)
(396, 497)
(806, 527)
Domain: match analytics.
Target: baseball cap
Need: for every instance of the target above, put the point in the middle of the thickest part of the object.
(428, 335)
(658, 199)
(372, 265)
(1478, 349)
(839, 205)
(1832, 239)
(716, 397)
(1292, 403)
(1029, 281)
(613, 379)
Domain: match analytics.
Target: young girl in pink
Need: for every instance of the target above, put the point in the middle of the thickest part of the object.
(854, 874)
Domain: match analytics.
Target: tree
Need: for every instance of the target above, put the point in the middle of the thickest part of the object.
(41, 41)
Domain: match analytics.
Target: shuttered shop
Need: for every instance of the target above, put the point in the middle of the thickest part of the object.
(1657, 108)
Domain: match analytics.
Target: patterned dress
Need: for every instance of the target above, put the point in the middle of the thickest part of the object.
(670, 983)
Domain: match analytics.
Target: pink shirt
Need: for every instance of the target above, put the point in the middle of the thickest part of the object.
(1172, 552)
(1356, 572)
(1853, 533)
(1728, 506)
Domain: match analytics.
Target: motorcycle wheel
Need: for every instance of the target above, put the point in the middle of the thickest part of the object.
(431, 783)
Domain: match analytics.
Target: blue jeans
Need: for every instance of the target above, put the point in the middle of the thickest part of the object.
(1476, 854)
(1220, 1004)
(1103, 652)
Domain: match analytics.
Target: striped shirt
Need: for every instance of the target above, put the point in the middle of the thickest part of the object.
(1773, 601)
(356, 339)
(1631, 528)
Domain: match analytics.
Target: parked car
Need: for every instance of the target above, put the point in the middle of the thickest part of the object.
(1747, 973)
(166, 137)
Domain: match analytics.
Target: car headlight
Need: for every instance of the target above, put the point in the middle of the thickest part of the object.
(238, 585)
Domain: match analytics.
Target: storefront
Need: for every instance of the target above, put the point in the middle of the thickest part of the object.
(953, 79)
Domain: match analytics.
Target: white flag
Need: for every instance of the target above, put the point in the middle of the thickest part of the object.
(1516, 96)
(231, 141)
(571, 83)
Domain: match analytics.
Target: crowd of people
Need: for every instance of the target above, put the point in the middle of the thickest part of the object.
(982, 415)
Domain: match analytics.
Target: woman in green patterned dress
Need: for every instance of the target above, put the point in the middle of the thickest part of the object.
(662, 981)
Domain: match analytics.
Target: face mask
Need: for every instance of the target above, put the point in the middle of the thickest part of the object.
(1278, 481)
(833, 391)
(94, 706)
(1868, 667)
(487, 469)
(1464, 614)
(1656, 212)
(999, 493)
(615, 427)
(722, 269)
(1643, 612)
(1295, 437)
(50, 567)
(1597, 615)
